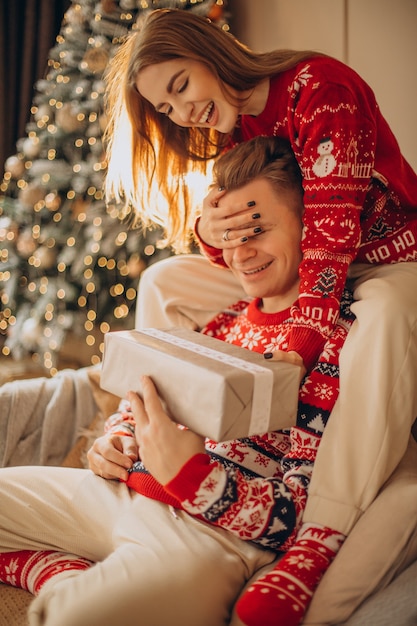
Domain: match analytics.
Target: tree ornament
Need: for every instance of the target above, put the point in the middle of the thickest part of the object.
(95, 60)
(31, 147)
(15, 165)
(26, 244)
(79, 207)
(31, 194)
(108, 6)
(216, 12)
(44, 257)
(67, 118)
(52, 201)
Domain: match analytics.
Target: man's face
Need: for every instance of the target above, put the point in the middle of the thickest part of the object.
(267, 264)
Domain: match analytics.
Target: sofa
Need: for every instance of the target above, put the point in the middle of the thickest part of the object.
(372, 581)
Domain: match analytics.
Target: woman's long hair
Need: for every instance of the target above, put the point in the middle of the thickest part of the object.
(146, 149)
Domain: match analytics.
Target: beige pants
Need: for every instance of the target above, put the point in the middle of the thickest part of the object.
(154, 569)
(369, 428)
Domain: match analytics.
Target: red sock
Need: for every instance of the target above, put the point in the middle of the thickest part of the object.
(281, 597)
(30, 569)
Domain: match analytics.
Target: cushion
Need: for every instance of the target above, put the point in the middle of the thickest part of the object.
(13, 606)
(395, 605)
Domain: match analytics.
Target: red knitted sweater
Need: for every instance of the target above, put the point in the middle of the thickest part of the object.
(360, 193)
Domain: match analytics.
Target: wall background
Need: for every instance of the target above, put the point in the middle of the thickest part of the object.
(377, 38)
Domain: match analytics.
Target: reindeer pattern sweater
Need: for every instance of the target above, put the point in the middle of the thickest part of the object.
(255, 487)
(360, 194)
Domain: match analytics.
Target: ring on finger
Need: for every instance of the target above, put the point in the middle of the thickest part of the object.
(225, 235)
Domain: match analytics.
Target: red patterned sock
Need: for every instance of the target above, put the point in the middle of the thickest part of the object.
(30, 569)
(281, 597)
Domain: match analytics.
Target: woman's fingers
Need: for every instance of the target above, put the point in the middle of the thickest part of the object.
(223, 225)
(232, 237)
(289, 357)
(111, 456)
(215, 195)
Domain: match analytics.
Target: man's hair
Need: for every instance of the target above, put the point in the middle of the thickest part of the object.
(270, 158)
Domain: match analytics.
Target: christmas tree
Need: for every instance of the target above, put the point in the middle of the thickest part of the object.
(70, 265)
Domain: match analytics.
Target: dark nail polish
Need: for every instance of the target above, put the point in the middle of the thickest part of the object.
(256, 216)
(257, 230)
(251, 203)
(244, 239)
(268, 355)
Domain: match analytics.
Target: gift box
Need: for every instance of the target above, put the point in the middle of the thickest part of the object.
(216, 389)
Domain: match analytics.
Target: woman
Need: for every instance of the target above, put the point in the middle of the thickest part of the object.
(181, 91)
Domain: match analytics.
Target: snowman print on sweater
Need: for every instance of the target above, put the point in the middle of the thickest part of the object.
(326, 162)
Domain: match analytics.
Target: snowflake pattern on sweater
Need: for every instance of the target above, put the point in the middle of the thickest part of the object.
(360, 194)
(255, 487)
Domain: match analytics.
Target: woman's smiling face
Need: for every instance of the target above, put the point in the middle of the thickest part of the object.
(188, 93)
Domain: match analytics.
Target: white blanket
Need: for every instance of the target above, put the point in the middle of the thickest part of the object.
(41, 418)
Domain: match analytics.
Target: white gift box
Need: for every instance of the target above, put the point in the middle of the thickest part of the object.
(216, 389)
